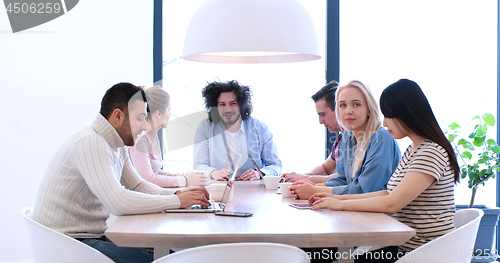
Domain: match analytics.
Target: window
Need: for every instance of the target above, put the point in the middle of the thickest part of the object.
(281, 92)
(448, 47)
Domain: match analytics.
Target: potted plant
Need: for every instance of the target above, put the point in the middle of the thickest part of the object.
(478, 160)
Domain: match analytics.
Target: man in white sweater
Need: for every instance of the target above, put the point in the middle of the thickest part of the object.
(92, 175)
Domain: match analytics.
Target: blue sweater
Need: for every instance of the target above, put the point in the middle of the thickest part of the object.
(381, 160)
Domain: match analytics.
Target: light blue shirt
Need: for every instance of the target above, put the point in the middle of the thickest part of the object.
(254, 137)
(381, 160)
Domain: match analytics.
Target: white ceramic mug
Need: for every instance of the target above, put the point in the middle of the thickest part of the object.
(285, 192)
(216, 191)
(272, 182)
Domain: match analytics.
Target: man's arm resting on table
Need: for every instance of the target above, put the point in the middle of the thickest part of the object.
(99, 172)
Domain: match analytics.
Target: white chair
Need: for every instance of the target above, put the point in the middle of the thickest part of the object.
(50, 246)
(239, 252)
(453, 247)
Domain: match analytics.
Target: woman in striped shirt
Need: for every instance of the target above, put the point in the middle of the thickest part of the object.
(420, 192)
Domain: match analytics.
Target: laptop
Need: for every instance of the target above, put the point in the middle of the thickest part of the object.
(255, 164)
(215, 206)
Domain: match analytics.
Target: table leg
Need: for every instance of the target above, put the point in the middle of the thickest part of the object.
(345, 255)
(161, 252)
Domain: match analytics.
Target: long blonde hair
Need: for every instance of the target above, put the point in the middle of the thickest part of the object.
(160, 99)
(373, 122)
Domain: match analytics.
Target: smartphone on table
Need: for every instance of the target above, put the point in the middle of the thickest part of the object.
(301, 205)
(239, 214)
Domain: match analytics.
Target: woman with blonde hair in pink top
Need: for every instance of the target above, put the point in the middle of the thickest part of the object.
(146, 153)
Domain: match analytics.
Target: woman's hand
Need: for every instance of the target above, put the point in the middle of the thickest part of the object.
(302, 189)
(317, 196)
(196, 178)
(327, 202)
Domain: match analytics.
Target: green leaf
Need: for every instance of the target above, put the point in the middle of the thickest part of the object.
(491, 142)
(484, 129)
(489, 119)
(473, 176)
(466, 144)
(475, 117)
(454, 126)
(452, 137)
(495, 149)
(478, 131)
(479, 140)
(466, 155)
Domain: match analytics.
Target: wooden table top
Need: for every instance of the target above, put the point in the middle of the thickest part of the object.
(273, 221)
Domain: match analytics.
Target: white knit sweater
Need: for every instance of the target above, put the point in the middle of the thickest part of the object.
(91, 176)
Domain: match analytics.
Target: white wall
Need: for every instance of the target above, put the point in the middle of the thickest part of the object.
(52, 78)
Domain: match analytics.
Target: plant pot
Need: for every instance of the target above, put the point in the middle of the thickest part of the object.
(486, 234)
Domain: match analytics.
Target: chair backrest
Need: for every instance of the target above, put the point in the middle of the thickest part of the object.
(239, 252)
(465, 216)
(50, 246)
(455, 246)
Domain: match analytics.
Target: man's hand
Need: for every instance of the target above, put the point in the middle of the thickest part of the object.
(193, 196)
(250, 175)
(303, 189)
(220, 175)
(294, 177)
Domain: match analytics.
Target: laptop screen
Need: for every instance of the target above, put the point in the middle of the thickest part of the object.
(230, 181)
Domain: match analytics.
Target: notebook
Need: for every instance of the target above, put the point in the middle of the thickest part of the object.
(215, 206)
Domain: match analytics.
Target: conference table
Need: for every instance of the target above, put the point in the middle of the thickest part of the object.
(273, 221)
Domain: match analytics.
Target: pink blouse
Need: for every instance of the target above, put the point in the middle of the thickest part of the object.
(146, 158)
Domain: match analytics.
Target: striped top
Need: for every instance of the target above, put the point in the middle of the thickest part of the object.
(431, 213)
(91, 176)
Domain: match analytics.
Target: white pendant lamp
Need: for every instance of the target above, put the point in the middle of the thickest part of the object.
(251, 31)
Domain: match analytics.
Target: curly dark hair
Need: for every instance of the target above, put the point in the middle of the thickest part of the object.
(213, 90)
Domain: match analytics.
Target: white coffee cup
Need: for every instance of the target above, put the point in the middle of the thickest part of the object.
(271, 182)
(216, 191)
(285, 192)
